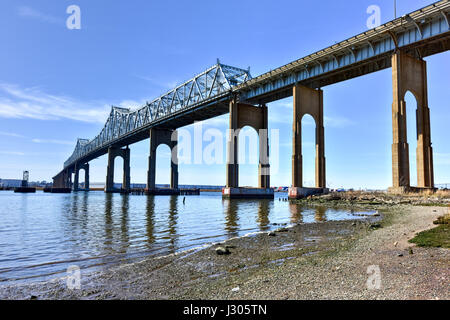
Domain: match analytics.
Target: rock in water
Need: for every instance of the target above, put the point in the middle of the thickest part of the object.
(222, 251)
(271, 234)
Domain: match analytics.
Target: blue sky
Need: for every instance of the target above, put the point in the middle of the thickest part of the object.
(57, 85)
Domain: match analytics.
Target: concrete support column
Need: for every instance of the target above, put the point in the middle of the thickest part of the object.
(232, 148)
(126, 169)
(109, 187)
(86, 176)
(308, 101)
(320, 145)
(76, 185)
(112, 154)
(264, 165)
(69, 178)
(409, 74)
(151, 173)
(174, 161)
(170, 138)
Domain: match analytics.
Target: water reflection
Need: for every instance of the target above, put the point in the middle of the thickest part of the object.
(263, 214)
(150, 224)
(108, 242)
(173, 216)
(92, 229)
(231, 217)
(124, 222)
(296, 212)
(320, 214)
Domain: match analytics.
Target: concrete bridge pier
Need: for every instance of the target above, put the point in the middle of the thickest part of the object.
(307, 101)
(409, 74)
(242, 115)
(168, 137)
(112, 154)
(63, 180)
(76, 184)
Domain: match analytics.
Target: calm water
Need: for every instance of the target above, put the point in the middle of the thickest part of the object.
(42, 234)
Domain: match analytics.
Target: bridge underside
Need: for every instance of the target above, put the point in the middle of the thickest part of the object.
(418, 50)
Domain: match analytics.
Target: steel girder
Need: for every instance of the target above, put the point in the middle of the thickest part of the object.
(421, 33)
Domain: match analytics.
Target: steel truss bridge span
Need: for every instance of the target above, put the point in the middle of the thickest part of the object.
(203, 97)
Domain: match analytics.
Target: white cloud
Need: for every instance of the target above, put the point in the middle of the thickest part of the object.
(337, 122)
(28, 12)
(53, 141)
(16, 102)
(11, 134)
(12, 153)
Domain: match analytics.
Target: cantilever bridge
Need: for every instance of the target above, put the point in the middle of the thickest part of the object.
(400, 44)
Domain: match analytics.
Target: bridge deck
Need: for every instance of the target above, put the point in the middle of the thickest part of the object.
(420, 33)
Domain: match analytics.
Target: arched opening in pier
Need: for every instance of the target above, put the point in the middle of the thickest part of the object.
(411, 130)
(163, 161)
(118, 172)
(308, 150)
(248, 151)
(81, 181)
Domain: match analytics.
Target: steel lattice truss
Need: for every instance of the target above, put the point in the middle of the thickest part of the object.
(210, 85)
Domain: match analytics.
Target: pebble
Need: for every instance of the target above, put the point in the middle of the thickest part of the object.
(222, 251)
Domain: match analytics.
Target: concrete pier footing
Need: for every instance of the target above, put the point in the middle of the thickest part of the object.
(247, 193)
(403, 190)
(162, 192)
(24, 190)
(300, 193)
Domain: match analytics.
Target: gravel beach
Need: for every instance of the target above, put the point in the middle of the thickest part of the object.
(325, 260)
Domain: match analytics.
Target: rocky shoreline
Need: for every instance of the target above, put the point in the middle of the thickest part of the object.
(323, 260)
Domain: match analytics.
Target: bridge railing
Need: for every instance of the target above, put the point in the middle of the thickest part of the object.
(211, 84)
